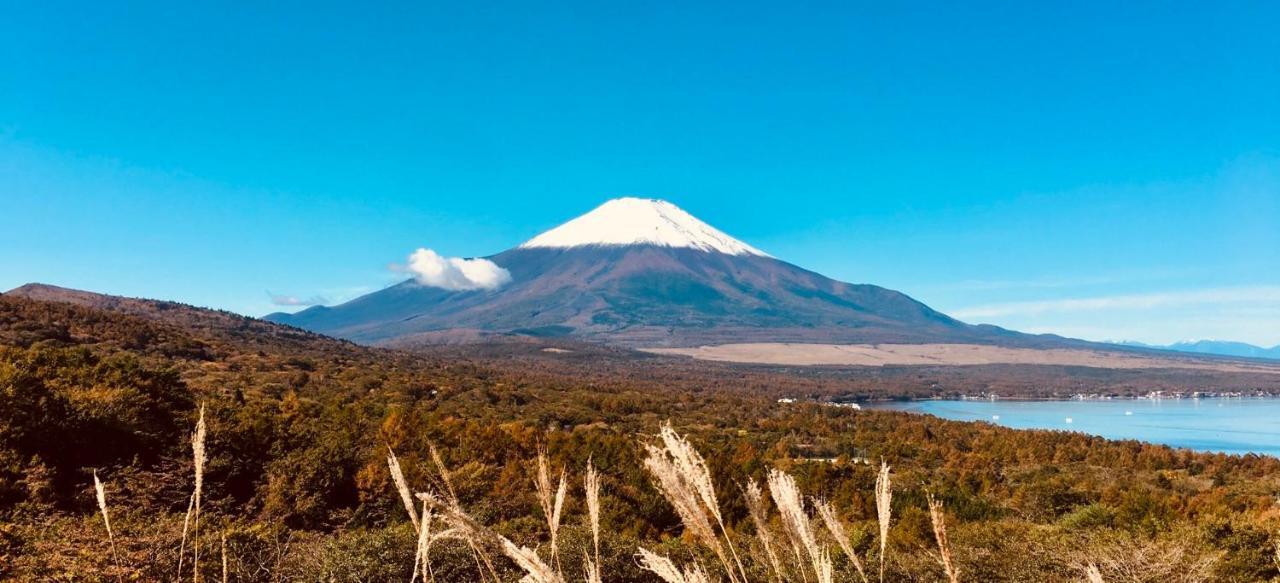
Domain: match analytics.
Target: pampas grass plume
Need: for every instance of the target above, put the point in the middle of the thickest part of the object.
(760, 518)
(884, 500)
(940, 534)
(836, 528)
(402, 485)
(591, 485)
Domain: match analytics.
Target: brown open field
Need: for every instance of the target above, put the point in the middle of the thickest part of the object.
(954, 354)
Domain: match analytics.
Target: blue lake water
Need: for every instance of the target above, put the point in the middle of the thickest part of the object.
(1228, 425)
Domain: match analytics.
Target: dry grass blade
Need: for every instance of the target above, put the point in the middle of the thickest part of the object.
(940, 534)
(543, 484)
(760, 518)
(186, 523)
(666, 570)
(786, 496)
(696, 574)
(429, 538)
(402, 485)
(552, 504)
(826, 571)
(884, 500)
(106, 517)
(464, 527)
(659, 565)
(444, 473)
(591, 569)
(535, 570)
(199, 456)
(1164, 559)
(693, 467)
(681, 495)
(797, 554)
(836, 528)
(224, 559)
(556, 512)
(477, 536)
(591, 484)
(424, 535)
(1092, 574)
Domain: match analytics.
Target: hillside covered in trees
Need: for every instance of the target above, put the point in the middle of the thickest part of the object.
(297, 485)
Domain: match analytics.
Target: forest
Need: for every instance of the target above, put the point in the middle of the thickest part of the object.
(297, 431)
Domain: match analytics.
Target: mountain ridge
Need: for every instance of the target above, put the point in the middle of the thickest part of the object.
(645, 273)
(1214, 347)
(211, 329)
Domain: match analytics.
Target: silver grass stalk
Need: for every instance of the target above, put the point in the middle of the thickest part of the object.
(428, 537)
(592, 487)
(675, 487)
(199, 456)
(884, 499)
(427, 571)
(797, 554)
(186, 522)
(692, 465)
(836, 528)
(444, 473)
(1092, 574)
(940, 534)
(556, 513)
(224, 558)
(466, 529)
(591, 569)
(402, 485)
(535, 570)
(659, 565)
(696, 574)
(552, 504)
(666, 570)
(826, 571)
(786, 496)
(106, 518)
(760, 518)
(428, 517)
(455, 507)
(424, 534)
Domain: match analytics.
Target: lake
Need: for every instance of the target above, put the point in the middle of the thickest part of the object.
(1228, 425)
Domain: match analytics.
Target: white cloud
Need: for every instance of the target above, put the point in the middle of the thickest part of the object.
(288, 300)
(456, 273)
(1265, 294)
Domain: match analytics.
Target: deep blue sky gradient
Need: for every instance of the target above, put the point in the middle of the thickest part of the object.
(978, 157)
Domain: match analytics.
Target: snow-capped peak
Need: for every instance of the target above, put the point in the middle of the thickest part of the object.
(641, 221)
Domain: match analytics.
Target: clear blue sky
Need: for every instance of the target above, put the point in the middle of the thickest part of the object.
(1105, 170)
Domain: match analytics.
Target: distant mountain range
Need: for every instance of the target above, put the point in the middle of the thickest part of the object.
(1216, 347)
(639, 272)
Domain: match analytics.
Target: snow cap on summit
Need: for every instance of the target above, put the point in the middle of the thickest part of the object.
(641, 221)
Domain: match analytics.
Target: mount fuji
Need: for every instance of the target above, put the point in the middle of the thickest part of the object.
(644, 273)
